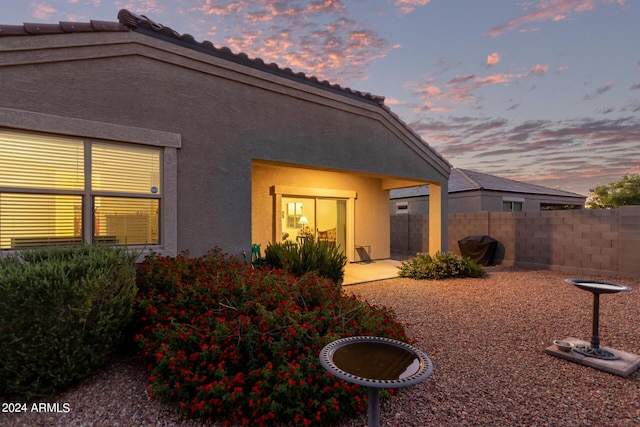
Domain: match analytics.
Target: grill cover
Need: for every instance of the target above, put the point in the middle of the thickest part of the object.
(480, 249)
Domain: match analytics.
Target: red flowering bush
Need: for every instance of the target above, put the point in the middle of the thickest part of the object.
(224, 341)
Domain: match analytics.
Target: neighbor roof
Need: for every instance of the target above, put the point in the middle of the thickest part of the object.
(465, 180)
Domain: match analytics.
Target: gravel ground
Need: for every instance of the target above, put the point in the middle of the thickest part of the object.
(486, 339)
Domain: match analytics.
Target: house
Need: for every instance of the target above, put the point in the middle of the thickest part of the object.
(131, 133)
(471, 191)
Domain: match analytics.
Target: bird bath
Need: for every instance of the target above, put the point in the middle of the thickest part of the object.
(596, 288)
(375, 363)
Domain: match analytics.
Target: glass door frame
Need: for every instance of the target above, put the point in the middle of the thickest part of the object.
(279, 191)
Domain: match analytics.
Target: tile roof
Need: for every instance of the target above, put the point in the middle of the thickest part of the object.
(60, 28)
(466, 180)
(129, 21)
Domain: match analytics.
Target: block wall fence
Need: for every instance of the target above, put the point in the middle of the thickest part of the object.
(586, 241)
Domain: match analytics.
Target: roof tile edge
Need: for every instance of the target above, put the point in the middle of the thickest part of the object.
(144, 24)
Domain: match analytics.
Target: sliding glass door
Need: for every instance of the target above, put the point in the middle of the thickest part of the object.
(320, 219)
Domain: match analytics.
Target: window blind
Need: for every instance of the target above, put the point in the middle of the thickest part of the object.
(119, 168)
(126, 221)
(36, 161)
(31, 220)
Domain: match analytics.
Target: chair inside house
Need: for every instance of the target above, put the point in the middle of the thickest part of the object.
(328, 237)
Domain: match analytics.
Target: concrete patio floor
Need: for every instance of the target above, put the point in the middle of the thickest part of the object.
(360, 272)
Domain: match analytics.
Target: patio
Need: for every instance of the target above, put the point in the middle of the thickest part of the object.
(362, 272)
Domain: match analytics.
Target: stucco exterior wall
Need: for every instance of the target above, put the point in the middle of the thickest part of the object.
(226, 115)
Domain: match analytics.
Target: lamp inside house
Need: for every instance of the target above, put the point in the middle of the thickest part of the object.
(304, 221)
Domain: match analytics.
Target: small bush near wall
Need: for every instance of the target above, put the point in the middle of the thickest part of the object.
(440, 266)
(326, 260)
(62, 313)
(223, 341)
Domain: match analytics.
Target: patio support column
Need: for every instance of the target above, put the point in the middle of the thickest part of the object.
(438, 217)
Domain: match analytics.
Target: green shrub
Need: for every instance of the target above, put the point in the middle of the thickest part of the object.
(328, 261)
(227, 342)
(440, 266)
(62, 313)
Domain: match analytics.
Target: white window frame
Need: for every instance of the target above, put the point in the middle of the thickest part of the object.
(19, 120)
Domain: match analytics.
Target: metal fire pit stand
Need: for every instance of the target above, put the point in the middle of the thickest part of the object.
(597, 288)
(375, 363)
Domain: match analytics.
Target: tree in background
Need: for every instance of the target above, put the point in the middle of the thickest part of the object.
(623, 192)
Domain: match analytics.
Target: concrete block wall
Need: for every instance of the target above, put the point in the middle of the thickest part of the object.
(628, 243)
(418, 233)
(575, 242)
(410, 234)
(399, 234)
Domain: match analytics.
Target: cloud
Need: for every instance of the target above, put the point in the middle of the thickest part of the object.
(495, 79)
(599, 91)
(460, 88)
(493, 59)
(529, 30)
(223, 10)
(268, 10)
(461, 79)
(571, 154)
(635, 87)
(408, 6)
(539, 70)
(318, 38)
(143, 6)
(42, 11)
(546, 10)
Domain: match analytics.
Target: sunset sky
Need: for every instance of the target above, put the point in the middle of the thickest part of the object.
(542, 91)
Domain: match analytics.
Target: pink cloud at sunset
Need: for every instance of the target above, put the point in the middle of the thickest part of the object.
(555, 10)
(461, 88)
(539, 70)
(42, 10)
(408, 6)
(493, 59)
(155, 7)
(316, 38)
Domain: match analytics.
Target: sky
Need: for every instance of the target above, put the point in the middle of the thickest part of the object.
(540, 91)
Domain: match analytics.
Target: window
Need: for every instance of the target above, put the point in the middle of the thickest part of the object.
(402, 207)
(508, 206)
(294, 213)
(57, 190)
